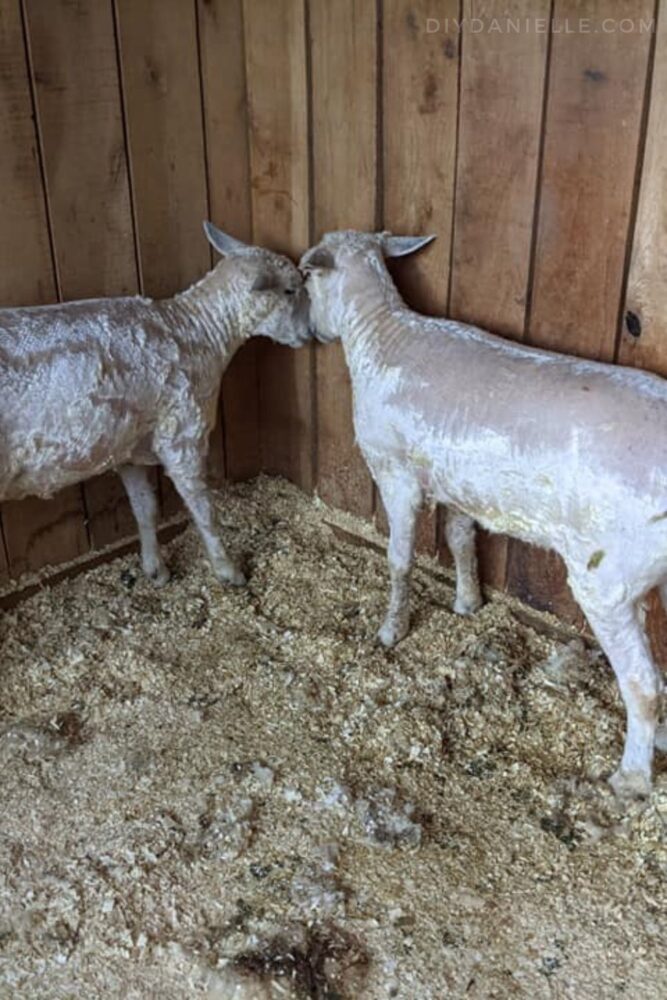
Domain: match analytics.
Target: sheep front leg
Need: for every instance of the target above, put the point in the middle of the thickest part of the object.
(142, 501)
(460, 535)
(402, 500)
(622, 637)
(189, 479)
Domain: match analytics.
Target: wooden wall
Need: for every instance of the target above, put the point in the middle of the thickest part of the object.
(535, 147)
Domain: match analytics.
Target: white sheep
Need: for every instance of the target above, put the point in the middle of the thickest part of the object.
(560, 452)
(123, 383)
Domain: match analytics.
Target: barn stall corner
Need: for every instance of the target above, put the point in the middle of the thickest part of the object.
(237, 792)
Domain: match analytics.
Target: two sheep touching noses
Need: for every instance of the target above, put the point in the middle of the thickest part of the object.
(543, 447)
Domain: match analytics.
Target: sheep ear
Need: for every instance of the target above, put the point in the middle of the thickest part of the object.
(401, 246)
(224, 244)
(317, 259)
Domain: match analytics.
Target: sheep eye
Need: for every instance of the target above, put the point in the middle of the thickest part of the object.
(289, 291)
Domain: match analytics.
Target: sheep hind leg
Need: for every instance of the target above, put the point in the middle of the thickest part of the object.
(622, 637)
(144, 507)
(661, 731)
(460, 535)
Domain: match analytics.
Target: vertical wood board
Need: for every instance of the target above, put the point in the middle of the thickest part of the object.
(345, 177)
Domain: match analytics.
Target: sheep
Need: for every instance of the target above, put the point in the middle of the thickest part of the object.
(124, 383)
(557, 451)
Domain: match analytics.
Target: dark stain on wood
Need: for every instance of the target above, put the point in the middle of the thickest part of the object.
(429, 102)
(411, 23)
(449, 48)
(633, 324)
(596, 75)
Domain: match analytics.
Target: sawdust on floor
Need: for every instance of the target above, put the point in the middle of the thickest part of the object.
(236, 793)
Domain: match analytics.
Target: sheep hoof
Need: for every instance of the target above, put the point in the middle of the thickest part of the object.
(390, 634)
(232, 574)
(467, 605)
(159, 576)
(661, 737)
(631, 784)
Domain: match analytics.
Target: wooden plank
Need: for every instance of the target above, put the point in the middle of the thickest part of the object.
(643, 341)
(75, 69)
(344, 115)
(502, 93)
(42, 533)
(78, 100)
(420, 100)
(594, 113)
(12, 598)
(275, 37)
(226, 128)
(419, 124)
(225, 114)
(163, 112)
(27, 276)
(26, 268)
(644, 329)
(503, 75)
(159, 59)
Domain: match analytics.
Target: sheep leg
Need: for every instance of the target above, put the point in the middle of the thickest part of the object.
(189, 480)
(661, 731)
(402, 500)
(142, 501)
(623, 639)
(460, 535)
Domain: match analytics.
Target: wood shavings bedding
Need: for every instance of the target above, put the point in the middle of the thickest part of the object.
(236, 793)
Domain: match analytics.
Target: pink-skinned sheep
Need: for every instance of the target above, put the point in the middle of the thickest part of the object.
(560, 452)
(124, 383)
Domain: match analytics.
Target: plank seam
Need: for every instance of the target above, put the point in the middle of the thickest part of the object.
(513, 543)
(126, 140)
(310, 167)
(379, 115)
(251, 209)
(452, 233)
(440, 543)
(220, 409)
(532, 257)
(40, 151)
(202, 103)
(379, 163)
(3, 542)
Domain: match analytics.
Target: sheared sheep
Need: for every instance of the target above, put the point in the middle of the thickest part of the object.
(560, 452)
(123, 383)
